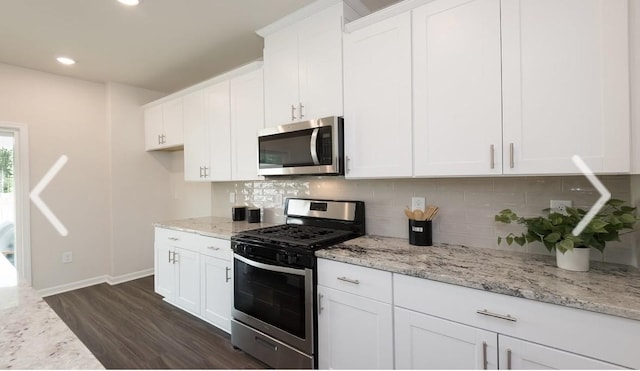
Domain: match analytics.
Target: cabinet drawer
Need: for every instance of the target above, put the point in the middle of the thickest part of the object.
(596, 335)
(215, 247)
(367, 282)
(175, 238)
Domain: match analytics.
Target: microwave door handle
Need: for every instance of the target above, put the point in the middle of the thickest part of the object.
(313, 146)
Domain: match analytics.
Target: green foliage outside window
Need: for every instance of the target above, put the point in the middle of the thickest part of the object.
(6, 170)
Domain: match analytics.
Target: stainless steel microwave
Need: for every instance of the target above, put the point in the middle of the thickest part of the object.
(313, 147)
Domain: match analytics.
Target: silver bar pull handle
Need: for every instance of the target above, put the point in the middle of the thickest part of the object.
(226, 274)
(484, 355)
(169, 256)
(300, 112)
(174, 257)
(206, 171)
(293, 112)
(320, 307)
(174, 238)
(508, 359)
(159, 139)
(347, 160)
(511, 161)
(506, 317)
(214, 248)
(313, 146)
(492, 153)
(345, 279)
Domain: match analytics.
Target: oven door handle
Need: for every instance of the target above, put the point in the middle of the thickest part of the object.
(313, 146)
(269, 267)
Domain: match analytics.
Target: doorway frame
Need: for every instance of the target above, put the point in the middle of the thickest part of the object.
(23, 206)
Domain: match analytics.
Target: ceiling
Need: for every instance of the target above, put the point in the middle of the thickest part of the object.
(162, 45)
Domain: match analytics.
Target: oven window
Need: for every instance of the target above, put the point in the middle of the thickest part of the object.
(272, 297)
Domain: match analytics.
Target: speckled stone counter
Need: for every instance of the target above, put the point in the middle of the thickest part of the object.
(211, 226)
(607, 288)
(32, 336)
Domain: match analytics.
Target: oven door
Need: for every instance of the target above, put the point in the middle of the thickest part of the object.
(275, 300)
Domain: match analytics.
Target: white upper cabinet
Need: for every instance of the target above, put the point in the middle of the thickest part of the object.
(163, 124)
(457, 101)
(219, 135)
(247, 117)
(565, 77)
(377, 92)
(196, 130)
(303, 69)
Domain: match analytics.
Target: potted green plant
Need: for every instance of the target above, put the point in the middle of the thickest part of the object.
(555, 231)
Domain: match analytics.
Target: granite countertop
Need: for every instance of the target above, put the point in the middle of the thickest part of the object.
(212, 226)
(607, 288)
(32, 336)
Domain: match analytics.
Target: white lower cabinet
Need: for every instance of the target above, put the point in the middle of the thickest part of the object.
(354, 332)
(523, 355)
(215, 291)
(373, 319)
(193, 272)
(355, 324)
(427, 342)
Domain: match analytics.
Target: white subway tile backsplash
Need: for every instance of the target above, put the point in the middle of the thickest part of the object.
(468, 205)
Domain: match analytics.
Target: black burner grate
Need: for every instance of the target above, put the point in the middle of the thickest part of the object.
(299, 235)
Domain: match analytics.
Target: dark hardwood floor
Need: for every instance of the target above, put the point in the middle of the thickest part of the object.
(128, 326)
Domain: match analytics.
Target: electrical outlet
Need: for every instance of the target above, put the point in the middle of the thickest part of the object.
(560, 206)
(418, 203)
(67, 257)
(232, 197)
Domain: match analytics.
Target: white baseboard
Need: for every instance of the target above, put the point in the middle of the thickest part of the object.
(111, 280)
(72, 286)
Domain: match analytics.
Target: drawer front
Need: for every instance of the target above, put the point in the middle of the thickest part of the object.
(595, 335)
(215, 247)
(175, 238)
(363, 281)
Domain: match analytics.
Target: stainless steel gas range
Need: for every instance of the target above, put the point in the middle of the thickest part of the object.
(274, 287)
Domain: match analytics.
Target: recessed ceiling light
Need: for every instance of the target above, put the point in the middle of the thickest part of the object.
(66, 61)
(129, 2)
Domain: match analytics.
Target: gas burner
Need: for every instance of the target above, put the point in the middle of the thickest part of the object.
(297, 235)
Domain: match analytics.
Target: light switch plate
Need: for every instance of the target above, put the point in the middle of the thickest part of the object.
(560, 206)
(418, 203)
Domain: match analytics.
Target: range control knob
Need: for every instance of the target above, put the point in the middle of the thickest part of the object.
(292, 259)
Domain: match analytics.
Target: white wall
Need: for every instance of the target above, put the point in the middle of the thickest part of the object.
(64, 117)
(140, 181)
(110, 192)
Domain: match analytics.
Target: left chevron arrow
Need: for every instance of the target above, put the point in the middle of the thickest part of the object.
(42, 184)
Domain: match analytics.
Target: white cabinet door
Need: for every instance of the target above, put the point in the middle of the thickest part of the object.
(426, 342)
(523, 355)
(377, 100)
(153, 127)
(187, 280)
(320, 64)
(216, 291)
(164, 280)
(457, 99)
(281, 77)
(353, 332)
(172, 123)
(196, 133)
(247, 117)
(565, 85)
(218, 118)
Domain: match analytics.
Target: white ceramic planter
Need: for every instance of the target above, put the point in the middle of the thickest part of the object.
(574, 260)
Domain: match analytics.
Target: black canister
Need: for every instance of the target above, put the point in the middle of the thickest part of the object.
(238, 213)
(420, 232)
(253, 215)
